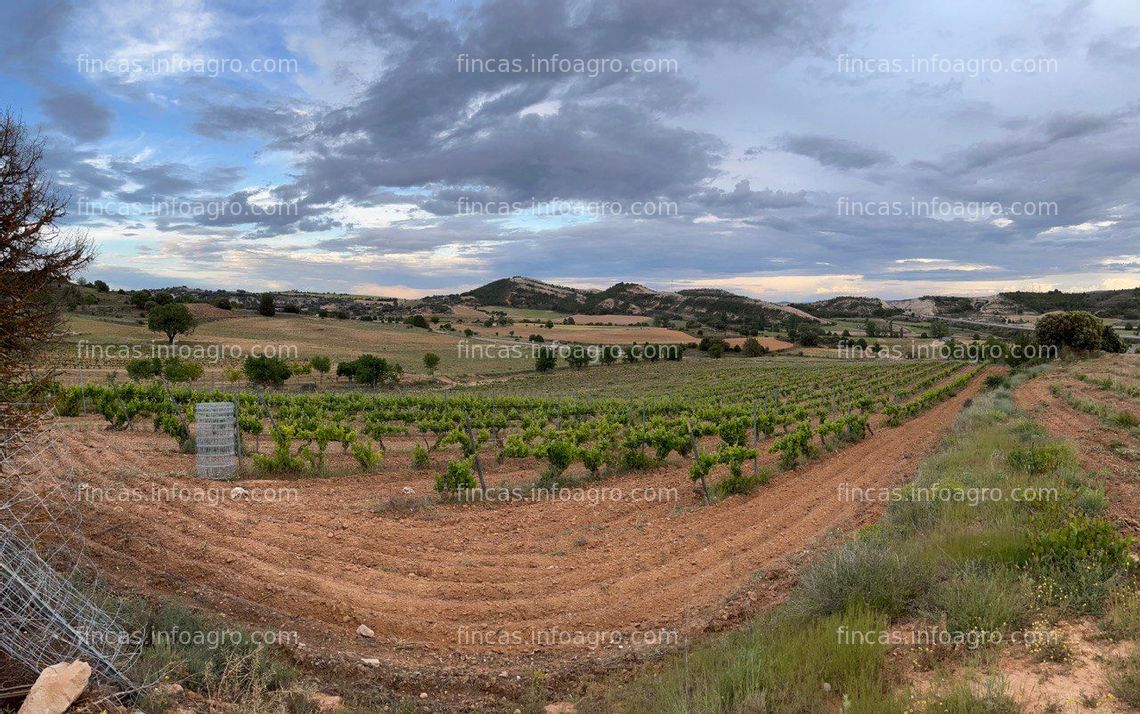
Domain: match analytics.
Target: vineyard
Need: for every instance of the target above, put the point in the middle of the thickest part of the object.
(709, 413)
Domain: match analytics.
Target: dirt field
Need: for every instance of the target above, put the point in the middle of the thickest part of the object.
(770, 342)
(611, 319)
(458, 595)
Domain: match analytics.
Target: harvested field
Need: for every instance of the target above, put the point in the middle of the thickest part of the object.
(611, 319)
(770, 342)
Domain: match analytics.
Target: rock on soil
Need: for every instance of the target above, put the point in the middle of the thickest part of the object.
(56, 688)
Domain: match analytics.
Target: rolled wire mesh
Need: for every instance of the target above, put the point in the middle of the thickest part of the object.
(215, 440)
(53, 607)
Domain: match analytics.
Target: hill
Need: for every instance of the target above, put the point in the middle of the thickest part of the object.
(709, 306)
(1122, 304)
(850, 306)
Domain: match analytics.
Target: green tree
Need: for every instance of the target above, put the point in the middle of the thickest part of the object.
(417, 321)
(374, 371)
(144, 368)
(545, 360)
(171, 319)
(431, 361)
(1110, 341)
(939, 329)
(1079, 331)
(322, 364)
(101, 286)
(716, 350)
(578, 357)
(752, 348)
(871, 328)
(163, 298)
(140, 298)
(266, 371)
(266, 307)
(177, 370)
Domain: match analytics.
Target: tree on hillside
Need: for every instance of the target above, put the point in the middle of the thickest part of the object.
(171, 319)
(266, 307)
(545, 359)
(101, 286)
(34, 256)
(1079, 331)
(431, 361)
(578, 357)
(322, 364)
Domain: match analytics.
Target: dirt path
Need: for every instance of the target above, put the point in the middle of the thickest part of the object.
(470, 591)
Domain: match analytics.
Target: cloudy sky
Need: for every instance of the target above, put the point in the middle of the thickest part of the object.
(784, 150)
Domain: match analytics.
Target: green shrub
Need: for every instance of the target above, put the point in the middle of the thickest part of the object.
(862, 572)
(1080, 541)
(458, 477)
(981, 601)
(1042, 459)
(204, 653)
(420, 458)
(366, 455)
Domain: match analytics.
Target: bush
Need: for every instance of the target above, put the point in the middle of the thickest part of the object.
(366, 455)
(862, 572)
(1081, 540)
(1110, 340)
(981, 601)
(1040, 460)
(420, 458)
(458, 477)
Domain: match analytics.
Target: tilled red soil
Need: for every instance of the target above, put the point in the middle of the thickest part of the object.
(1101, 448)
(459, 594)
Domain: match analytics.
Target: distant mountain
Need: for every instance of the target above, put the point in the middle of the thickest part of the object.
(705, 305)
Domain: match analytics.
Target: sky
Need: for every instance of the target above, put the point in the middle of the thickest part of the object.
(788, 151)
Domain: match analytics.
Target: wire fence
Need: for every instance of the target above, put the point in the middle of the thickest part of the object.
(53, 607)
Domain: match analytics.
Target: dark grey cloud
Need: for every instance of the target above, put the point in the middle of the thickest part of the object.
(77, 114)
(425, 122)
(832, 151)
